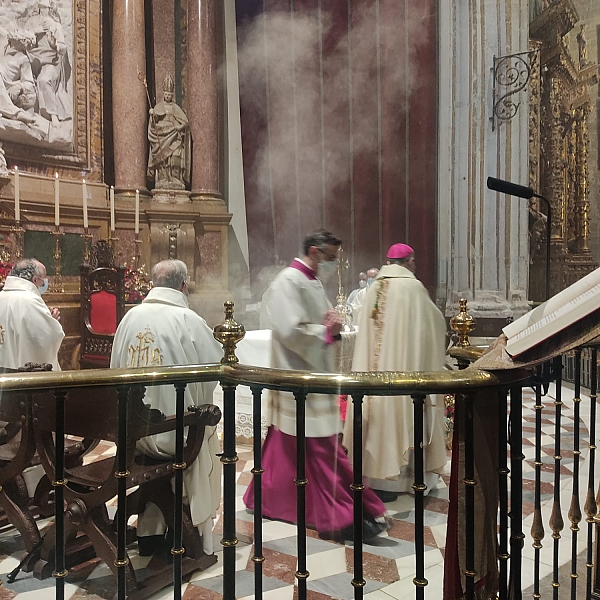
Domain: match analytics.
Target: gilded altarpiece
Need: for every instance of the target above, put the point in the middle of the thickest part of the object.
(560, 104)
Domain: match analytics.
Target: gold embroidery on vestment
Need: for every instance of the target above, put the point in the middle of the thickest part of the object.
(1, 334)
(144, 355)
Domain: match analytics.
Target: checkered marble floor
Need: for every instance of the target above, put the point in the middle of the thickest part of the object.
(389, 561)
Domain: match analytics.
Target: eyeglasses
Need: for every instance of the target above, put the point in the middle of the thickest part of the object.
(330, 257)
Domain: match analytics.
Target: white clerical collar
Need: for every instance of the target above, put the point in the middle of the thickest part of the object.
(305, 264)
(166, 295)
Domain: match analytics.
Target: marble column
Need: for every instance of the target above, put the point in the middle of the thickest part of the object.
(163, 25)
(130, 106)
(204, 40)
(482, 236)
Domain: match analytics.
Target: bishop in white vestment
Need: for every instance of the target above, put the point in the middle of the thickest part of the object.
(163, 331)
(400, 329)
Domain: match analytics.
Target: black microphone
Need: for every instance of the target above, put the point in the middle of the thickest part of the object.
(506, 187)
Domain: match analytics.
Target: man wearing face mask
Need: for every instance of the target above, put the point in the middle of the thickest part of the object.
(162, 331)
(362, 283)
(29, 330)
(357, 301)
(304, 328)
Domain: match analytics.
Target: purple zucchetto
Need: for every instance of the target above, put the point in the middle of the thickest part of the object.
(399, 251)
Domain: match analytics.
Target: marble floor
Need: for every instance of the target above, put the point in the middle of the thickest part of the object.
(389, 562)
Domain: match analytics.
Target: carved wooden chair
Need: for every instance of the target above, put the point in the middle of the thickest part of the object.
(102, 306)
(92, 413)
(19, 508)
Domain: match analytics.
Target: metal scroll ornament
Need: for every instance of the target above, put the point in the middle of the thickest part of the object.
(511, 76)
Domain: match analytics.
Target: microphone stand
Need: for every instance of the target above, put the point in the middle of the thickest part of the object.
(545, 374)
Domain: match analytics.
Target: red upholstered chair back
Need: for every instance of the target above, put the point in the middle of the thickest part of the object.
(102, 308)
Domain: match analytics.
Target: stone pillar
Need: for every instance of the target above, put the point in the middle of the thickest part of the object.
(163, 25)
(130, 107)
(482, 236)
(204, 39)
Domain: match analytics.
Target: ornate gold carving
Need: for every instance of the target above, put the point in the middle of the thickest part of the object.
(559, 148)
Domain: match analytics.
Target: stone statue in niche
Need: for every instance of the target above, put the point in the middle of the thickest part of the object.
(582, 43)
(36, 105)
(170, 142)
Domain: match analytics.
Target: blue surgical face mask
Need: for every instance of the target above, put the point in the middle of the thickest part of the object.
(362, 283)
(370, 280)
(44, 288)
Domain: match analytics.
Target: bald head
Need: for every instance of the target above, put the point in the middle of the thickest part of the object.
(372, 273)
(170, 274)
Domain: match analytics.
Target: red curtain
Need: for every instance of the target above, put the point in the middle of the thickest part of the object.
(339, 120)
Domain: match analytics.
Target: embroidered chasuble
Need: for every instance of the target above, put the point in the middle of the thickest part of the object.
(163, 331)
(400, 329)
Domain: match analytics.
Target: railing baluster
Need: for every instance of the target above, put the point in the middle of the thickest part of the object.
(575, 508)
(178, 467)
(591, 509)
(503, 472)
(257, 472)
(301, 483)
(556, 520)
(358, 487)
(419, 488)
(229, 460)
(122, 562)
(60, 571)
(537, 526)
(516, 491)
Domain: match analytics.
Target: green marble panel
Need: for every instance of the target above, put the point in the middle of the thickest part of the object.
(40, 245)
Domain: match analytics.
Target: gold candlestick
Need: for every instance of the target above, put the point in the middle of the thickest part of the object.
(137, 257)
(87, 241)
(57, 285)
(19, 241)
(341, 306)
(114, 245)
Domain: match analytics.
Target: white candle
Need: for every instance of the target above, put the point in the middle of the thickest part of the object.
(56, 200)
(85, 214)
(112, 207)
(137, 211)
(17, 198)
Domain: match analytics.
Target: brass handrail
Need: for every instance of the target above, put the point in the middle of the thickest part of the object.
(382, 383)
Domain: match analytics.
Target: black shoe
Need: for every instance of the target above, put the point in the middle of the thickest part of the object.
(386, 496)
(151, 544)
(371, 529)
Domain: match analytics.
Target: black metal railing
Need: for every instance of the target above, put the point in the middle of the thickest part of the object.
(474, 390)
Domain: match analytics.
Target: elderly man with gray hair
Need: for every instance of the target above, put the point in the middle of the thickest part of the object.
(29, 330)
(163, 331)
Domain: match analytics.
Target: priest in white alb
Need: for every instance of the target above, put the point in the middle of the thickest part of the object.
(400, 329)
(29, 330)
(304, 329)
(163, 331)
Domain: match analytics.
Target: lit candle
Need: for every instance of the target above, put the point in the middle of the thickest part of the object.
(137, 211)
(85, 215)
(112, 207)
(17, 199)
(56, 200)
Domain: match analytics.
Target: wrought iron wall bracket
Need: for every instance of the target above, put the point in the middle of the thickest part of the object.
(510, 75)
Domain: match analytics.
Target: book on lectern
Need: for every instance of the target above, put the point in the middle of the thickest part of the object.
(569, 319)
(564, 311)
